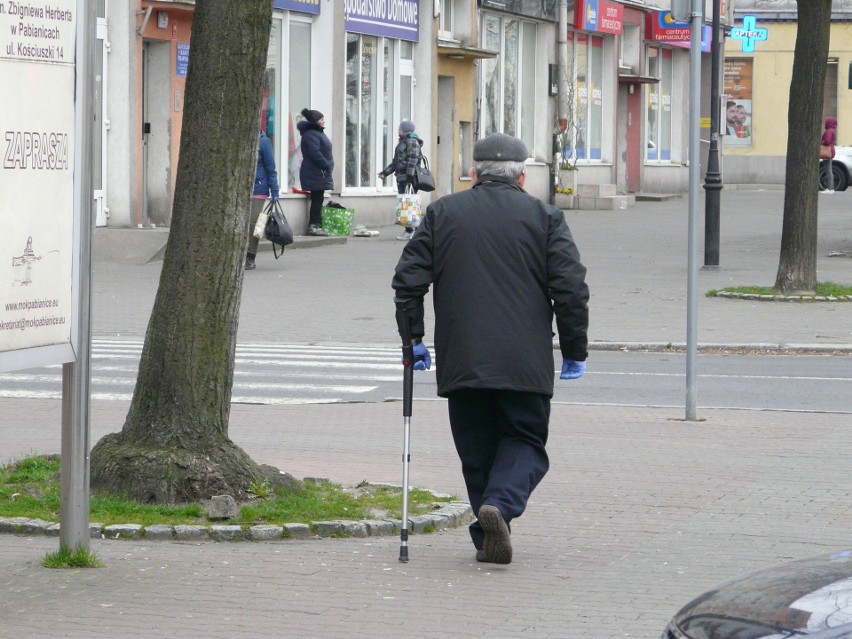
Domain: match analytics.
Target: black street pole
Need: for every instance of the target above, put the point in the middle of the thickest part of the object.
(713, 176)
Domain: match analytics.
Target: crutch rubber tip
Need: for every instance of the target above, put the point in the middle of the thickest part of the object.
(403, 554)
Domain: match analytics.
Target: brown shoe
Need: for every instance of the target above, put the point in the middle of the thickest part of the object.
(497, 548)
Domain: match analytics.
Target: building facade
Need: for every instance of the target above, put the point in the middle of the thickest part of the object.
(757, 86)
(460, 69)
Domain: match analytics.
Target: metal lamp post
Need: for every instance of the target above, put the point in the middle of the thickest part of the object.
(713, 176)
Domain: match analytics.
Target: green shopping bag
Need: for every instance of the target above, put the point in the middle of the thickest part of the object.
(337, 219)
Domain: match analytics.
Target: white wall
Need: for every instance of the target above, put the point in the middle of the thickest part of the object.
(121, 113)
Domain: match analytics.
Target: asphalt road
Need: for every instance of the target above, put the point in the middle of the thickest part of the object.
(309, 374)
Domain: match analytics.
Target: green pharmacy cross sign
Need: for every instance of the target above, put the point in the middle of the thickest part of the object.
(748, 34)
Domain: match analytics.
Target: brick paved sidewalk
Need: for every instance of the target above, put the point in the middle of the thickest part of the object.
(640, 512)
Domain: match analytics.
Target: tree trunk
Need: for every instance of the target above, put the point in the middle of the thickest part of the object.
(797, 264)
(174, 445)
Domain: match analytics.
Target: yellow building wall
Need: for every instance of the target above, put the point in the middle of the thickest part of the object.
(773, 69)
(464, 73)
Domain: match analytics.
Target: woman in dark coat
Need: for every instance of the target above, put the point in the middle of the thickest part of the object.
(317, 165)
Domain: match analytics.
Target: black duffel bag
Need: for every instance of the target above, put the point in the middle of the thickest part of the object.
(277, 229)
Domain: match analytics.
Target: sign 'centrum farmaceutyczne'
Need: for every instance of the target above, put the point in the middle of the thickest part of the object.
(37, 201)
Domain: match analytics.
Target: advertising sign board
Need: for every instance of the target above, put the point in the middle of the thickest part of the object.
(662, 27)
(38, 207)
(398, 19)
(304, 6)
(600, 16)
(738, 99)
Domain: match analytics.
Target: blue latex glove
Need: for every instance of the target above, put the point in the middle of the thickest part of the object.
(274, 197)
(572, 369)
(422, 358)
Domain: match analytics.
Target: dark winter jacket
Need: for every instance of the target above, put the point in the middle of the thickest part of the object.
(406, 156)
(266, 177)
(317, 160)
(829, 137)
(501, 263)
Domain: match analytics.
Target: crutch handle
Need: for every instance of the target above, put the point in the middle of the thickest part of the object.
(403, 320)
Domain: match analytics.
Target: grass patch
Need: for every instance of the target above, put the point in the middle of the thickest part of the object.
(826, 289)
(29, 488)
(66, 558)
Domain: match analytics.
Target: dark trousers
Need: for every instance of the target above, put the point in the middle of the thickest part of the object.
(315, 215)
(500, 438)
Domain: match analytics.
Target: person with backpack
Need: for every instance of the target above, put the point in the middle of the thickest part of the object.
(406, 157)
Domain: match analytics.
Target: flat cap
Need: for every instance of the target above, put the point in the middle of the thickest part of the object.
(500, 147)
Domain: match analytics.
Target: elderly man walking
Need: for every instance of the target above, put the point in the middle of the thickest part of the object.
(502, 264)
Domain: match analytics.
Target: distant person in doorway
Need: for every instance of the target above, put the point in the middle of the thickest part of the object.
(265, 187)
(317, 165)
(829, 138)
(406, 157)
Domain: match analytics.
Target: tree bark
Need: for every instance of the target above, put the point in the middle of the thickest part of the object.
(797, 263)
(174, 445)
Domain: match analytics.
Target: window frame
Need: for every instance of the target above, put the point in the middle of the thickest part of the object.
(446, 20)
(493, 118)
(587, 126)
(382, 136)
(659, 154)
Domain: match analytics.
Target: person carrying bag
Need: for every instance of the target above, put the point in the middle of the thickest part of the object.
(406, 158)
(265, 187)
(826, 152)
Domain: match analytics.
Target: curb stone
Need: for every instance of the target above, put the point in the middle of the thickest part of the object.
(804, 299)
(451, 515)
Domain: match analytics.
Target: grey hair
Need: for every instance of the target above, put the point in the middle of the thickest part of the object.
(498, 168)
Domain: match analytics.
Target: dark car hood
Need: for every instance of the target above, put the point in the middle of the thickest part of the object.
(810, 597)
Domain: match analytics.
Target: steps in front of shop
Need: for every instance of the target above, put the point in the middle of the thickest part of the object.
(601, 197)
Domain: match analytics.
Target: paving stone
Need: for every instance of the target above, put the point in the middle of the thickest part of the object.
(35, 527)
(160, 532)
(12, 524)
(379, 528)
(191, 533)
(265, 533)
(123, 531)
(354, 529)
(297, 531)
(227, 532)
(328, 528)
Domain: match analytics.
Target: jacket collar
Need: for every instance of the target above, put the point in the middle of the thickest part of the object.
(486, 179)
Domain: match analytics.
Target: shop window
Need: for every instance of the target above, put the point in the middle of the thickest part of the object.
(286, 90)
(585, 53)
(375, 103)
(299, 89)
(658, 106)
(508, 81)
(269, 89)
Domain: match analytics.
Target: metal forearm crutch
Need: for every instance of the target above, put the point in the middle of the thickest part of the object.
(407, 391)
